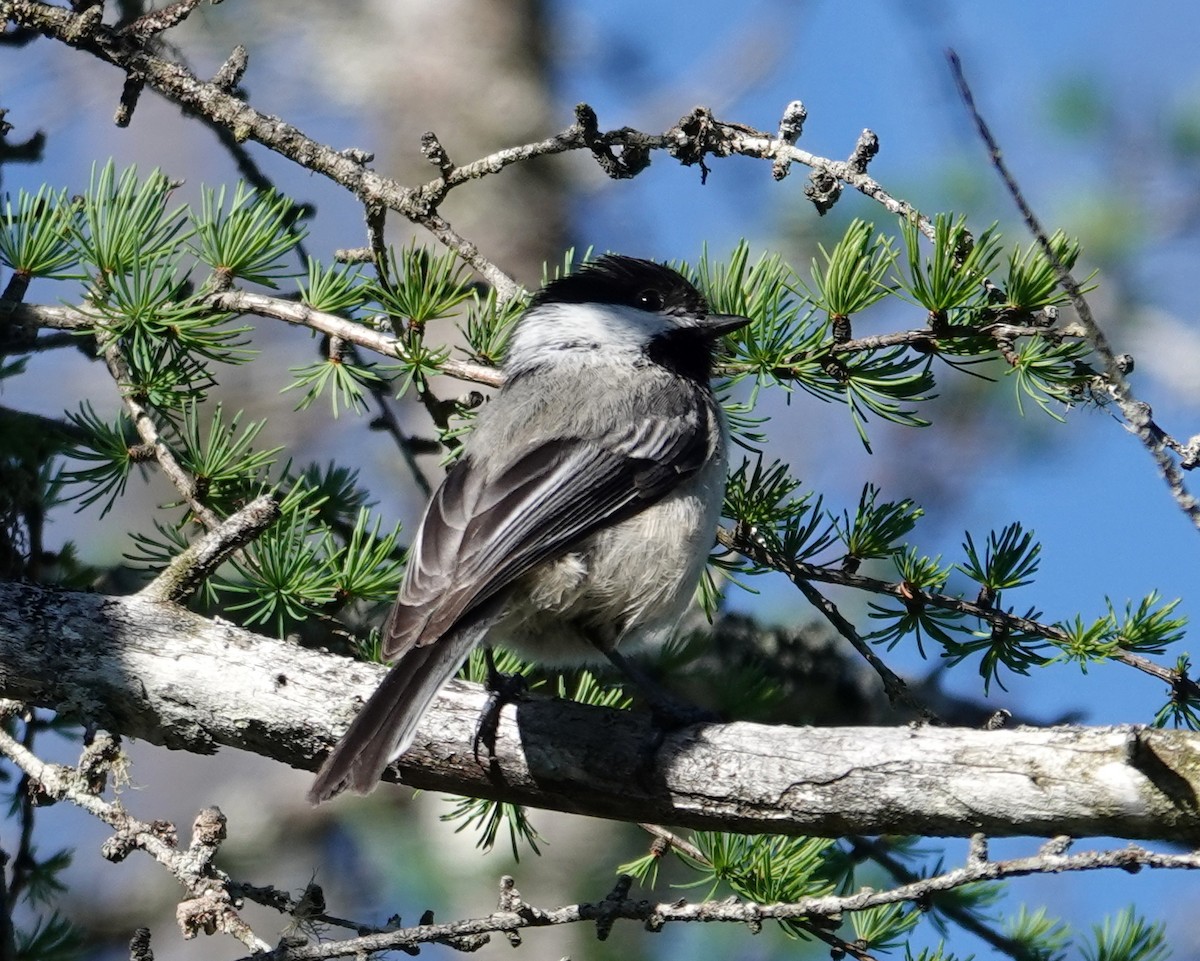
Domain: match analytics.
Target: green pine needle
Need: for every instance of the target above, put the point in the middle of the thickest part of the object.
(249, 237)
(36, 238)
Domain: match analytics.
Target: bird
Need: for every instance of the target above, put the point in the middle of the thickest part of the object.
(581, 510)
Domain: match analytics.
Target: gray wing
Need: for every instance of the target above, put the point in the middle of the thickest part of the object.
(479, 535)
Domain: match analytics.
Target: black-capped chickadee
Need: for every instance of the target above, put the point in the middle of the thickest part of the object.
(581, 510)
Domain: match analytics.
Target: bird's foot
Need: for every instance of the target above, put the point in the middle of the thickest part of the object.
(503, 689)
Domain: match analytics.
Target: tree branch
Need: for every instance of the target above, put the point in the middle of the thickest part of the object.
(163, 674)
(1137, 413)
(147, 430)
(209, 908)
(189, 569)
(800, 572)
(697, 135)
(515, 914)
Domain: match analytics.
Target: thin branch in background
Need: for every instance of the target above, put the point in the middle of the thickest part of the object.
(23, 860)
(1137, 413)
(516, 915)
(308, 908)
(376, 218)
(878, 851)
(506, 288)
(893, 685)
(408, 445)
(131, 92)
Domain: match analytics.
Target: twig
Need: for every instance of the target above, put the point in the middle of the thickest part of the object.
(293, 312)
(308, 908)
(408, 445)
(147, 430)
(209, 907)
(186, 572)
(523, 916)
(669, 839)
(33, 316)
(158, 21)
(893, 685)
(800, 572)
(1136, 413)
(878, 851)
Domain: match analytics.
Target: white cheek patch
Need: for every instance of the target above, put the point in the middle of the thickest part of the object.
(553, 333)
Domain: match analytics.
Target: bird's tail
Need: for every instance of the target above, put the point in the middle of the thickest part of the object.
(385, 727)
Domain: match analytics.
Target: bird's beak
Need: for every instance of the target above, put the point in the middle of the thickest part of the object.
(718, 325)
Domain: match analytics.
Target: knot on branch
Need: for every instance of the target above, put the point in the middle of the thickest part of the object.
(697, 134)
(231, 71)
(1189, 454)
(610, 909)
(864, 151)
(436, 154)
(635, 146)
(791, 125)
(823, 190)
(131, 92)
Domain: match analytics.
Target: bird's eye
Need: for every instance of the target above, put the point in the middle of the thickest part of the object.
(650, 299)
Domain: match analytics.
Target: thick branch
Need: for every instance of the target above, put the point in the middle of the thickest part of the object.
(168, 676)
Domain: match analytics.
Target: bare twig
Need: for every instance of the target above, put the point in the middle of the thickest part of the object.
(158, 21)
(893, 685)
(209, 907)
(878, 851)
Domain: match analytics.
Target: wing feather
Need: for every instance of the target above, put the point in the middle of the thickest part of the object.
(480, 534)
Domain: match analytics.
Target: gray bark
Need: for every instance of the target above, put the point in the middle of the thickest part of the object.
(163, 674)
